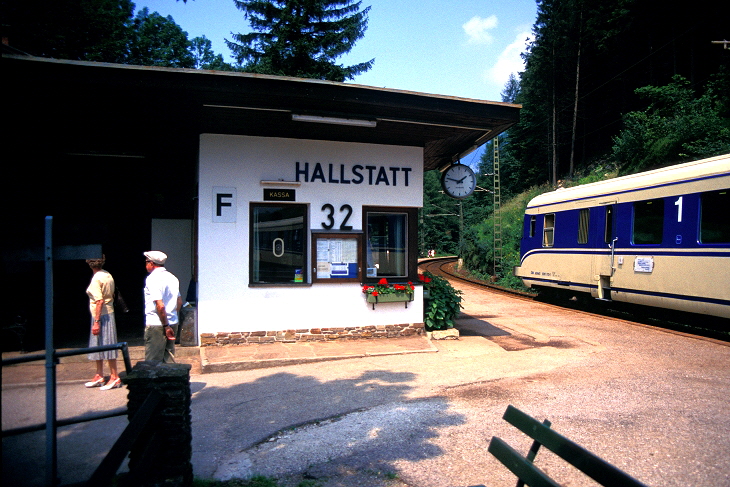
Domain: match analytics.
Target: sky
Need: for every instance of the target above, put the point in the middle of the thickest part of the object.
(462, 48)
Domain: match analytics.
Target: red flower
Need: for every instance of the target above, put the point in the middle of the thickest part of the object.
(375, 293)
(399, 287)
(383, 282)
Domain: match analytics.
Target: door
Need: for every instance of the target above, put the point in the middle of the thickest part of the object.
(603, 259)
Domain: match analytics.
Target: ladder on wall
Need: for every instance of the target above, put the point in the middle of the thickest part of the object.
(497, 244)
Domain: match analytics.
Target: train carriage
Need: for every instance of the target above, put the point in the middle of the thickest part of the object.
(659, 238)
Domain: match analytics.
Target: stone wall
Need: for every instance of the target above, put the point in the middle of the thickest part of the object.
(167, 446)
(312, 334)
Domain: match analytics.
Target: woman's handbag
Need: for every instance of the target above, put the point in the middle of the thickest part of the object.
(119, 305)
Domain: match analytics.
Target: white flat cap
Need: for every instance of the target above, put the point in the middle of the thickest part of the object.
(156, 256)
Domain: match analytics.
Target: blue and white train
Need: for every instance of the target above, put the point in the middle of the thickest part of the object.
(658, 238)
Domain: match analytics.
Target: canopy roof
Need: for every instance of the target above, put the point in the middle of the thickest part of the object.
(123, 109)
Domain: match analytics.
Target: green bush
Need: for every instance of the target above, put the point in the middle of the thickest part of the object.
(443, 304)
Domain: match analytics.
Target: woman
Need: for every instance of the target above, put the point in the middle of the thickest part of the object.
(103, 325)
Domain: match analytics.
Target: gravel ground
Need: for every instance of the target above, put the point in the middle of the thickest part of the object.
(652, 403)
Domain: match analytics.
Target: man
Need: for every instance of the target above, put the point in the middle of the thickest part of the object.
(162, 302)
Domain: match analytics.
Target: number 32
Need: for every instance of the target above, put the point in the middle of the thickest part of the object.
(327, 225)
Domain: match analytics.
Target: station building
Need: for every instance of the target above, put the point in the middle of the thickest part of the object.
(277, 199)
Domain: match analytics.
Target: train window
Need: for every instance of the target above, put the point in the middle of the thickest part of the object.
(714, 223)
(278, 244)
(533, 224)
(583, 220)
(608, 231)
(648, 222)
(390, 242)
(548, 232)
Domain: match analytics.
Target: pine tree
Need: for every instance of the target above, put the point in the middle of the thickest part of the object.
(159, 41)
(300, 38)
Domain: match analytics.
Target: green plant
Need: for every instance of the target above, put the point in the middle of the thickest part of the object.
(309, 483)
(443, 303)
(255, 481)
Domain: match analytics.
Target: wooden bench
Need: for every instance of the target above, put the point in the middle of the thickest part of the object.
(528, 474)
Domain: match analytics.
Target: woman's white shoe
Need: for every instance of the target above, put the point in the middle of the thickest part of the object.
(95, 383)
(112, 384)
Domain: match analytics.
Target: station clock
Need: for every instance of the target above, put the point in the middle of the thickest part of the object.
(458, 181)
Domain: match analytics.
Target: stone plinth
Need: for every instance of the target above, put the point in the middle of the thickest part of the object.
(171, 460)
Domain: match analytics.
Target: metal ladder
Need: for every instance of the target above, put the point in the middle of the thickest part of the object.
(497, 244)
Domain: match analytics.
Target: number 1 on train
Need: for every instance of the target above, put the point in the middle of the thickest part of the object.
(678, 204)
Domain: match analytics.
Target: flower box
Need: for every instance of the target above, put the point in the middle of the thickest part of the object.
(384, 293)
(390, 298)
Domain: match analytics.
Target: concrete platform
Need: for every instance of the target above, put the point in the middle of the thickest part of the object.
(223, 359)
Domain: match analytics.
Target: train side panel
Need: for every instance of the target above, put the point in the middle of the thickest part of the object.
(658, 239)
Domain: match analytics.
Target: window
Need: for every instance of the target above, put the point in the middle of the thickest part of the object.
(278, 244)
(608, 230)
(336, 257)
(583, 220)
(548, 230)
(714, 221)
(648, 222)
(390, 242)
(533, 224)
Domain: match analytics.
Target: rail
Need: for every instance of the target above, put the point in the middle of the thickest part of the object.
(139, 427)
(51, 355)
(68, 353)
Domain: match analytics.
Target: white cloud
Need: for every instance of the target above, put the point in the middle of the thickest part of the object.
(509, 61)
(477, 29)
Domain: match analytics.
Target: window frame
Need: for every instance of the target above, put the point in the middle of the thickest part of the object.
(548, 229)
(644, 221)
(609, 213)
(533, 226)
(411, 245)
(706, 223)
(584, 225)
(317, 235)
(306, 274)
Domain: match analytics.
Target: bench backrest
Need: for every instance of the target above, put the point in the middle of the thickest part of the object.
(596, 468)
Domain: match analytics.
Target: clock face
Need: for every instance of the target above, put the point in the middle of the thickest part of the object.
(459, 181)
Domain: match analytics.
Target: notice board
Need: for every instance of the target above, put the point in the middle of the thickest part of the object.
(336, 257)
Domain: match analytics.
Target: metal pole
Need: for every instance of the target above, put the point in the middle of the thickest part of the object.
(51, 463)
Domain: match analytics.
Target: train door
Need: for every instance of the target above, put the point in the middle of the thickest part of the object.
(603, 259)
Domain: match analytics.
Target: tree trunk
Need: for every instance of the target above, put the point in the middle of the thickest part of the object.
(554, 135)
(575, 103)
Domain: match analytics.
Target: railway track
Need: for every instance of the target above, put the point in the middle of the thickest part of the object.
(699, 326)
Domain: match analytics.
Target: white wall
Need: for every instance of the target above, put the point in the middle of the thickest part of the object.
(175, 238)
(226, 303)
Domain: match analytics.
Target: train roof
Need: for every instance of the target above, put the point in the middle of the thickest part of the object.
(703, 169)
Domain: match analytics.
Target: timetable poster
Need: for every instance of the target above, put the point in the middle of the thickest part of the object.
(337, 258)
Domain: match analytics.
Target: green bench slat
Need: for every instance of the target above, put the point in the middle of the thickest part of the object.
(518, 465)
(585, 461)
